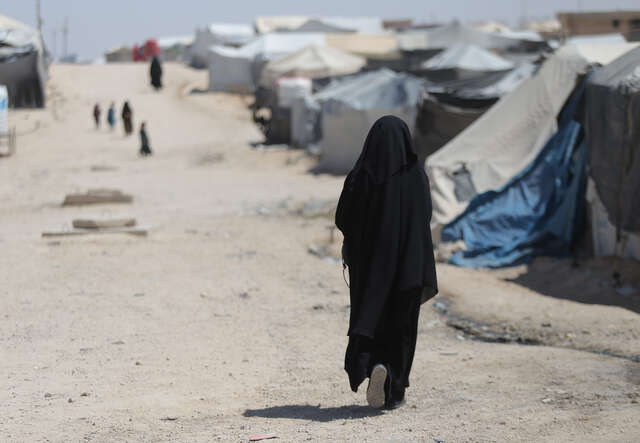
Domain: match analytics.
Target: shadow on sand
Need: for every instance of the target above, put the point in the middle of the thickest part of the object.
(314, 413)
(603, 281)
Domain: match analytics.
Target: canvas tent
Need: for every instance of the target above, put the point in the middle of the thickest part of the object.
(511, 185)
(365, 25)
(462, 61)
(614, 142)
(313, 61)
(349, 109)
(217, 34)
(487, 154)
(456, 33)
(23, 65)
(239, 69)
(175, 48)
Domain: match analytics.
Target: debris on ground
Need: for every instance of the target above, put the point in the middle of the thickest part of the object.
(97, 196)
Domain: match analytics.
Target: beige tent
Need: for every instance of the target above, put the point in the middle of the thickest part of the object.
(313, 61)
(366, 45)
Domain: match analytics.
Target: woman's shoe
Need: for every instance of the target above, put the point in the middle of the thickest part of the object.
(376, 396)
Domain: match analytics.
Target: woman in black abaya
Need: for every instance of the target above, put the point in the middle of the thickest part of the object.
(156, 73)
(384, 213)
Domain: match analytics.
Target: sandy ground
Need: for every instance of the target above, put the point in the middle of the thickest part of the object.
(220, 324)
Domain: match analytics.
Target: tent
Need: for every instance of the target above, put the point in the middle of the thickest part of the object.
(537, 212)
(23, 65)
(238, 69)
(313, 61)
(507, 138)
(614, 142)
(349, 109)
(365, 25)
(217, 34)
(456, 33)
(464, 61)
(175, 48)
(437, 123)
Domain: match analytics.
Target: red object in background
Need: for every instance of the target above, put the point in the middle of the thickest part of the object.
(136, 53)
(150, 49)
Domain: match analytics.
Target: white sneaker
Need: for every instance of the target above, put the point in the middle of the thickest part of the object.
(375, 391)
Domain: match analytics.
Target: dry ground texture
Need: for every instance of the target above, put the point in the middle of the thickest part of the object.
(220, 324)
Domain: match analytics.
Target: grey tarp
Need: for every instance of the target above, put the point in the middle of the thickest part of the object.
(437, 123)
(351, 107)
(22, 63)
(464, 61)
(613, 138)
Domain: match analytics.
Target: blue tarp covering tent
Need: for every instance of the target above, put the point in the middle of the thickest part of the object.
(535, 213)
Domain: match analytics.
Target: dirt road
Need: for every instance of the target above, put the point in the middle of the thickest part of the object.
(220, 324)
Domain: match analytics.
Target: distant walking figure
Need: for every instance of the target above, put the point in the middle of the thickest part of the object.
(127, 118)
(156, 73)
(384, 213)
(111, 116)
(145, 149)
(96, 115)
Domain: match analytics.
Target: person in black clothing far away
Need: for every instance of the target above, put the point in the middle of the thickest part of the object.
(145, 148)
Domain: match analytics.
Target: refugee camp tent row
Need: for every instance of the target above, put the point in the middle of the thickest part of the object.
(364, 25)
(614, 156)
(23, 64)
(511, 185)
(217, 34)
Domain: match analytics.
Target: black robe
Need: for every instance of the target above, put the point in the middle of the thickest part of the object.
(127, 118)
(384, 213)
(156, 73)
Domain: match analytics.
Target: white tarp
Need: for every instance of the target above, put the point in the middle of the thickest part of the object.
(313, 61)
(350, 108)
(218, 34)
(237, 69)
(230, 70)
(365, 25)
(456, 33)
(468, 57)
(504, 140)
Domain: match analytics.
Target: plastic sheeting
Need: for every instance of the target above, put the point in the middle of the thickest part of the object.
(238, 70)
(313, 61)
(491, 151)
(455, 33)
(469, 57)
(535, 213)
(217, 34)
(605, 235)
(437, 123)
(23, 67)
(613, 135)
(350, 109)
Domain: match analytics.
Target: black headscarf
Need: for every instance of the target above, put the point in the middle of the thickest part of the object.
(384, 213)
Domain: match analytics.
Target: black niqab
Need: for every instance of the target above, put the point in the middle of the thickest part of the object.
(156, 73)
(384, 213)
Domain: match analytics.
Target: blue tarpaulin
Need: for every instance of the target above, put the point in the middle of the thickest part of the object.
(536, 213)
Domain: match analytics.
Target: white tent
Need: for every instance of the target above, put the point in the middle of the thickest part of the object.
(367, 25)
(218, 34)
(456, 33)
(313, 61)
(487, 154)
(237, 70)
(350, 108)
(468, 57)
(23, 65)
